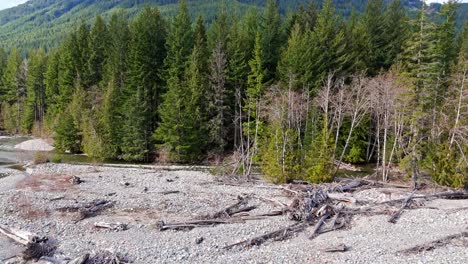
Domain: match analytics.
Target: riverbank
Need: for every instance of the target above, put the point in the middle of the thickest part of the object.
(142, 197)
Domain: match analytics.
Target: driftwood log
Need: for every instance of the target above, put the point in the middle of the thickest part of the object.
(111, 226)
(35, 246)
(86, 210)
(435, 244)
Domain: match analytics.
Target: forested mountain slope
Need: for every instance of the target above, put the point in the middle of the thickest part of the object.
(44, 23)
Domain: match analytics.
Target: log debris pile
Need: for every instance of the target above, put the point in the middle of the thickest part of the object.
(86, 210)
(315, 209)
(39, 249)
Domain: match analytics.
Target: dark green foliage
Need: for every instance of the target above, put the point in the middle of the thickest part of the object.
(274, 87)
(144, 84)
(36, 91)
(98, 44)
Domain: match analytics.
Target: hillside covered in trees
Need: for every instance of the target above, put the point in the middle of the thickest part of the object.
(45, 23)
(297, 94)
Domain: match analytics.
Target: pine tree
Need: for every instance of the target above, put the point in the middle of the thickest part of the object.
(446, 46)
(329, 52)
(237, 77)
(80, 53)
(67, 76)
(117, 50)
(144, 83)
(36, 91)
(10, 85)
(395, 31)
(51, 84)
(292, 66)
(182, 130)
(420, 71)
(357, 43)
(98, 44)
(374, 23)
(271, 38)
(172, 110)
(218, 108)
(11, 93)
(252, 127)
(68, 131)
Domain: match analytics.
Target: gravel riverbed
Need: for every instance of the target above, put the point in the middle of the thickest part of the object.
(143, 197)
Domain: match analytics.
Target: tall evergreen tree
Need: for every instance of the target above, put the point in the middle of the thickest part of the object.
(329, 52)
(98, 44)
(36, 91)
(10, 85)
(181, 130)
(396, 31)
(374, 23)
(144, 84)
(271, 38)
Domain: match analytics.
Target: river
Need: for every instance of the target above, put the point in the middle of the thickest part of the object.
(9, 155)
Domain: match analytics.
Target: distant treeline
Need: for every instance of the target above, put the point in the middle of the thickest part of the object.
(297, 95)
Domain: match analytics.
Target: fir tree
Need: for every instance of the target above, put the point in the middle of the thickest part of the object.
(181, 129)
(98, 44)
(329, 52)
(374, 23)
(36, 91)
(144, 84)
(395, 31)
(271, 38)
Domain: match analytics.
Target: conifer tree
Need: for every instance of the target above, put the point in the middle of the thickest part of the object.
(271, 38)
(329, 52)
(36, 91)
(446, 46)
(181, 131)
(98, 44)
(396, 31)
(252, 126)
(10, 85)
(80, 54)
(179, 45)
(293, 65)
(374, 23)
(144, 84)
(237, 77)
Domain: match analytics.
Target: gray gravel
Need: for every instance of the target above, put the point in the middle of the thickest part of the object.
(31, 206)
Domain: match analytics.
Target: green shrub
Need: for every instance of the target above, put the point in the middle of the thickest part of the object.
(56, 159)
(41, 158)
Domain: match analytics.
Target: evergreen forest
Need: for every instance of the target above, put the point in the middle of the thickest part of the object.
(292, 94)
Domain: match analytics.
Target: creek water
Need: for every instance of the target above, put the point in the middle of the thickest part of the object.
(9, 155)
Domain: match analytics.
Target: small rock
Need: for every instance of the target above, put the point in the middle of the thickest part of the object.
(199, 240)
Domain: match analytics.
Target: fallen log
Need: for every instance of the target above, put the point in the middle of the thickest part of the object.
(19, 236)
(394, 217)
(337, 248)
(233, 209)
(443, 195)
(111, 226)
(35, 246)
(87, 210)
(277, 235)
(434, 244)
(162, 226)
(319, 224)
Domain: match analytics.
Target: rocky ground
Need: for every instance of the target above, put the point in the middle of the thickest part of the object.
(145, 196)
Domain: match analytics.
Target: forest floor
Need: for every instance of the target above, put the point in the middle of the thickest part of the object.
(142, 197)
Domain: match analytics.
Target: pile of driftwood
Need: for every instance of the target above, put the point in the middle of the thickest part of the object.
(86, 210)
(42, 250)
(320, 208)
